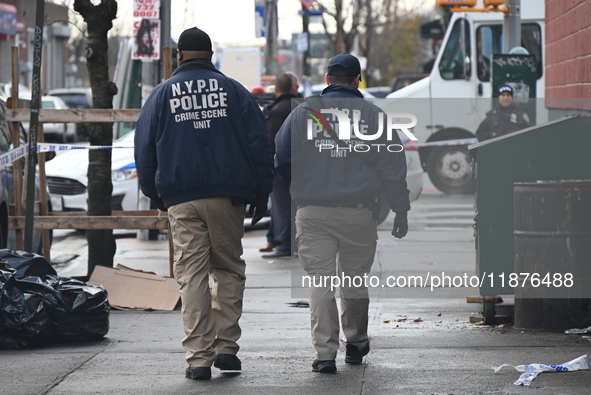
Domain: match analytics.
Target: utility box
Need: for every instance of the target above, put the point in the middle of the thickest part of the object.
(557, 150)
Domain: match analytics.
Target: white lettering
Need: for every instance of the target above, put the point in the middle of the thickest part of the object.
(344, 131)
(377, 135)
(200, 85)
(174, 104)
(403, 127)
(176, 89)
(186, 103)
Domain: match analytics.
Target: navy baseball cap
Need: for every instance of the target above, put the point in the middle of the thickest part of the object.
(349, 66)
(506, 88)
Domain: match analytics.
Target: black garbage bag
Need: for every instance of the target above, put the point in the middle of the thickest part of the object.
(27, 263)
(78, 311)
(24, 320)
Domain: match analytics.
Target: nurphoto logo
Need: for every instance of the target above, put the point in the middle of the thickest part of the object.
(317, 123)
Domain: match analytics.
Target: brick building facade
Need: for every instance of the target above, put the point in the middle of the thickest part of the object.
(568, 55)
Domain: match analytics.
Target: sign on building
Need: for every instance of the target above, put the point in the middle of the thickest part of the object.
(146, 43)
(147, 9)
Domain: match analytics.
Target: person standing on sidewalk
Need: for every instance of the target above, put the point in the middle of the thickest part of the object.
(505, 118)
(334, 182)
(286, 89)
(202, 152)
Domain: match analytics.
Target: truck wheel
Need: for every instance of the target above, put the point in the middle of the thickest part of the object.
(450, 170)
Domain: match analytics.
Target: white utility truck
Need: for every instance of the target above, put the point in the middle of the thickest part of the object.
(452, 101)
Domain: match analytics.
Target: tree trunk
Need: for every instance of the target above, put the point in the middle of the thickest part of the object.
(99, 20)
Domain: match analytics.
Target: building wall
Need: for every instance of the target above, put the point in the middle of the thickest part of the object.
(55, 38)
(568, 54)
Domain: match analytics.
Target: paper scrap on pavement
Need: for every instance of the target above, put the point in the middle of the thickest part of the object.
(531, 371)
(578, 331)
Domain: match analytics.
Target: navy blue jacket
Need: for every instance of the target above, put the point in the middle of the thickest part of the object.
(276, 114)
(201, 134)
(501, 121)
(334, 177)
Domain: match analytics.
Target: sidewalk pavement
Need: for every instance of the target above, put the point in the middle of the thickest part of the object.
(421, 342)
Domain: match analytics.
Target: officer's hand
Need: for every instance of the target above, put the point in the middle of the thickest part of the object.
(257, 210)
(400, 225)
(159, 205)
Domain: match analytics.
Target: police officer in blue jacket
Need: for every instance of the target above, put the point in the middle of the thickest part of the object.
(505, 118)
(202, 153)
(335, 179)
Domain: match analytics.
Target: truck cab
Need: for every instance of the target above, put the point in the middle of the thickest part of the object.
(455, 97)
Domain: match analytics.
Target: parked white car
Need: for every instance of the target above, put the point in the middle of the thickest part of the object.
(68, 181)
(23, 92)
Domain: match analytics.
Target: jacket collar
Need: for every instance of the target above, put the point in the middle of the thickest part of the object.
(339, 89)
(196, 63)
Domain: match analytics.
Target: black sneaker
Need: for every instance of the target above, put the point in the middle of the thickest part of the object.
(324, 366)
(227, 362)
(198, 373)
(355, 356)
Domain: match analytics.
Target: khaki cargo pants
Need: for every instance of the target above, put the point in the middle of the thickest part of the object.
(334, 241)
(207, 234)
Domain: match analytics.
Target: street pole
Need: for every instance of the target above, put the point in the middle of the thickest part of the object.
(271, 64)
(306, 57)
(165, 41)
(33, 124)
(512, 26)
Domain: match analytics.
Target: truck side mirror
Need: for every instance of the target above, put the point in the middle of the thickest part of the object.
(467, 68)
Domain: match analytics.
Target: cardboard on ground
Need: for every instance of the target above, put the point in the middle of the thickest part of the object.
(131, 289)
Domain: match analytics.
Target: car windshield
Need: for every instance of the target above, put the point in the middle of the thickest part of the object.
(75, 100)
(48, 104)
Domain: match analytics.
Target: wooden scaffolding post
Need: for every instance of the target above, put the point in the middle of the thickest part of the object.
(16, 169)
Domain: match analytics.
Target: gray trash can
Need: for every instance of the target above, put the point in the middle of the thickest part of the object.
(552, 245)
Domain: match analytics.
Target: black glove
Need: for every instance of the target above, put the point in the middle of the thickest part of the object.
(159, 204)
(400, 225)
(257, 209)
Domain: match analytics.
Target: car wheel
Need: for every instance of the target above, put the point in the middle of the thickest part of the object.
(450, 170)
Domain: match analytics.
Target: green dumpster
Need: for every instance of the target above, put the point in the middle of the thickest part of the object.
(558, 150)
